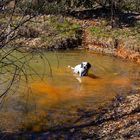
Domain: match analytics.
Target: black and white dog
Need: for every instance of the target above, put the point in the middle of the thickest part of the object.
(81, 69)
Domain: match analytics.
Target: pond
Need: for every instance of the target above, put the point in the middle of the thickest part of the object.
(53, 96)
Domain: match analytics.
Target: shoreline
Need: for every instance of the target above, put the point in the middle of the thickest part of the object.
(119, 120)
(114, 46)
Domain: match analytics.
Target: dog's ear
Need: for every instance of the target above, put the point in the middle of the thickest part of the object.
(81, 65)
(88, 65)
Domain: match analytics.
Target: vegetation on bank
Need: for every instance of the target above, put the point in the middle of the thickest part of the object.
(129, 36)
(45, 32)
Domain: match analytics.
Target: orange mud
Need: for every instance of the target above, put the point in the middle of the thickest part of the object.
(50, 94)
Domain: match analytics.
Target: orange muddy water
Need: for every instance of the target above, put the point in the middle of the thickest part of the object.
(53, 95)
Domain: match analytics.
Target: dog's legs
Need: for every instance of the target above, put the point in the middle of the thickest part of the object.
(70, 67)
(79, 79)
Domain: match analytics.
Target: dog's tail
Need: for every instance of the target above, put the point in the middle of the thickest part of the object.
(70, 67)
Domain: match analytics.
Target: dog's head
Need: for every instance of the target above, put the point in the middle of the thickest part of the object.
(85, 65)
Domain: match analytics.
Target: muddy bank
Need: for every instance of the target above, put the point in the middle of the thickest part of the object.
(120, 120)
(115, 48)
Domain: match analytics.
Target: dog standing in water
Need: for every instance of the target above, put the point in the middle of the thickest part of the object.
(81, 69)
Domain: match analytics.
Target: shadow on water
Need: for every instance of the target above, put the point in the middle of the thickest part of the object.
(93, 76)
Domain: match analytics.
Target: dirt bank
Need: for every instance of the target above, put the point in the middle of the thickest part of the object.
(115, 47)
(99, 37)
